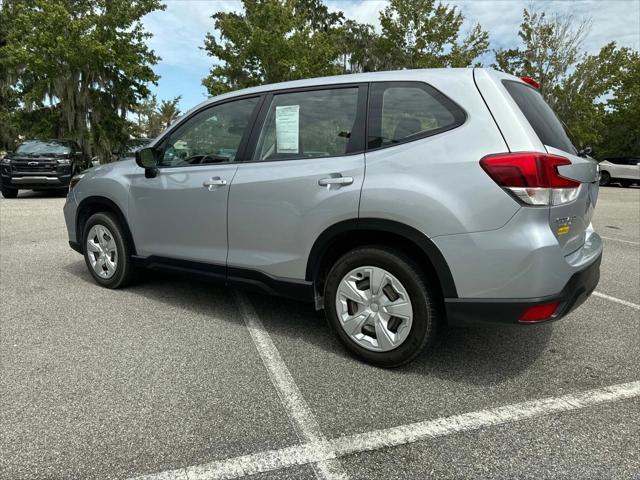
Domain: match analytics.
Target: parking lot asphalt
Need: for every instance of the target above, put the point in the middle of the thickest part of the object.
(172, 376)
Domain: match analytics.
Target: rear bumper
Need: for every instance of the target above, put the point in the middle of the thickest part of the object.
(467, 312)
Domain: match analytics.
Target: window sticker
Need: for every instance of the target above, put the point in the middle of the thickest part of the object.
(287, 128)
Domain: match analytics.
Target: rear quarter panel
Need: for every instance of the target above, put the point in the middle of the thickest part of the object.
(436, 184)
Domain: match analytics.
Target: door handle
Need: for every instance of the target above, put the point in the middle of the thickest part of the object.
(337, 181)
(214, 182)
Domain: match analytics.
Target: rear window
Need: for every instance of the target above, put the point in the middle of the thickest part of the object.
(542, 119)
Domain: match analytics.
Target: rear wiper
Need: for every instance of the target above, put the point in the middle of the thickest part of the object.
(585, 152)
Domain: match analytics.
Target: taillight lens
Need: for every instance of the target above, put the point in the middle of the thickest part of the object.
(532, 177)
(539, 313)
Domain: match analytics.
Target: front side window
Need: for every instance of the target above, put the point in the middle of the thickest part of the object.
(403, 111)
(211, 136)
(309, 124)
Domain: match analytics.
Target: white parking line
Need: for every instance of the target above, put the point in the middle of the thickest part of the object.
(304, 422)
(617, 300)
(320, 451)
(620, 240)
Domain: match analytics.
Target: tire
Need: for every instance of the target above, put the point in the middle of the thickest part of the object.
(605, 179)
(123, 272)
(9, 192)
(405, 278)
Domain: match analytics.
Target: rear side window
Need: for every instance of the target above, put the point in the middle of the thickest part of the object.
(309, 124)
(542, 119)
(404, 111)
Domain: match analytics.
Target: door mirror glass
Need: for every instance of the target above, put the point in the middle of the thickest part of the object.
(146, 158)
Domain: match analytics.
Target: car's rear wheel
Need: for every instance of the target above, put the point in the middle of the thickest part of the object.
(381, 305)
(106, 252)
(8, 192)
(605, 179)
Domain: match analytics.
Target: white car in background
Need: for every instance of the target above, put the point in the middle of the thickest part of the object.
(622, 170)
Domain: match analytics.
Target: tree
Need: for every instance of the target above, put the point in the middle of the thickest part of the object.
(621, 132)
(575, 85)
(153, 118)
(169, 111)
(551, 47)
(86, 60)
(8, 98)
(358, 47)
(580, 98)
(423, 34)
(272, 41)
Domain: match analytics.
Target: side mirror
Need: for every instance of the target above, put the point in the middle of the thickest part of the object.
(146, 158)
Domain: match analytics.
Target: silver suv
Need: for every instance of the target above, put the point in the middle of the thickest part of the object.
(399, 202)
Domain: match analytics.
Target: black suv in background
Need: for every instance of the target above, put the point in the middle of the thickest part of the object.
(41, 165)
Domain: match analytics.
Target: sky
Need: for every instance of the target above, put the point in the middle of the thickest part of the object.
(179, 31)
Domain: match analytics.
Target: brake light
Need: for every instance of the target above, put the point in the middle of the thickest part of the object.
(532, 177)
(534, 83)
(539, 313)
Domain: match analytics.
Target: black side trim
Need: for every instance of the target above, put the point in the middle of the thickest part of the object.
(153, 262)
(475, 311)
(432, 252)
(88, 204)
(232, 276)
(281, 287)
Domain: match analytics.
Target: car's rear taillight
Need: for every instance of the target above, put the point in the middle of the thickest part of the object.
(532, 177)
(539, 313)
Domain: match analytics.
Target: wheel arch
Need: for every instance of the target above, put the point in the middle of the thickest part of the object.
(348, 234)
(95, 204)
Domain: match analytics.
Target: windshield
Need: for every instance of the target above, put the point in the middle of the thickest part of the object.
(37, 147)
(540, 115)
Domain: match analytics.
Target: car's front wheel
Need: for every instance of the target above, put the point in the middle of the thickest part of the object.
(381, 305)
(605, 179)
(106, 252)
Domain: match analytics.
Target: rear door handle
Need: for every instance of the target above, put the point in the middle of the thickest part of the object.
(214, 182)
(337, 181)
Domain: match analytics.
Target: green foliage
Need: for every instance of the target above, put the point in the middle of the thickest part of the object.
(272, 41)
(153, 118)
(594, 95)
(621, 133)
(169, 111)
(580, 98)
(551, 47)
(87, 60)
(425, 34)
(358, 47)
